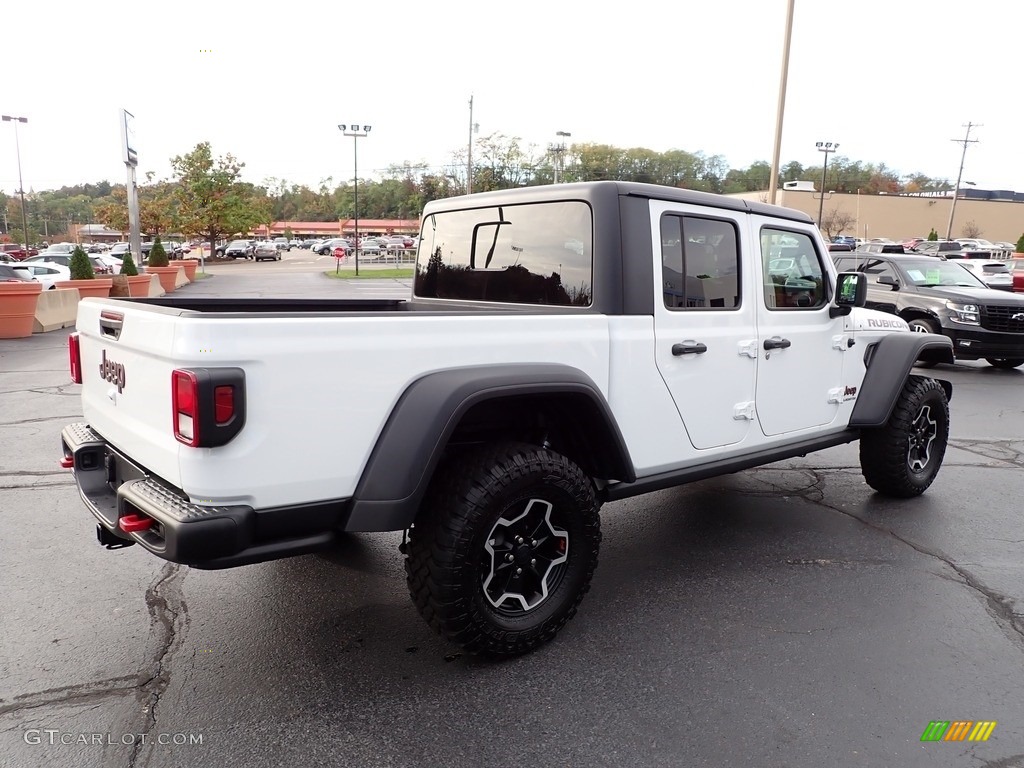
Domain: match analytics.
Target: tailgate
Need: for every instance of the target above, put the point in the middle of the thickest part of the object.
(126, 381)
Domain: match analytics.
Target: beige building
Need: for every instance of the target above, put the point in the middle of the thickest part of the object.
(900, 217)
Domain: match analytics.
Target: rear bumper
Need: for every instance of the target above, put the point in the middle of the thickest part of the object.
(203, 536)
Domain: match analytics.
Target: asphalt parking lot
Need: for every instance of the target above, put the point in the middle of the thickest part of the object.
(784, 616)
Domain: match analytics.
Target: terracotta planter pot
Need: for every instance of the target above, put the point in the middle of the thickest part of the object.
(18, 308)
(130, 285)
(98, 287)
(189, 265)
(166, 275)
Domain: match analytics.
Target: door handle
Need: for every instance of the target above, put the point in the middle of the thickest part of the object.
(777, 343)
(689, 348)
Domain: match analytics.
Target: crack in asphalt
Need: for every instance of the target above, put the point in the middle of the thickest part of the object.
(1000, 607)
(83, 692)
(59, 389)
(1004, 450)
(36, 420)
(22, 486)
(1013, 761)
(168, 622)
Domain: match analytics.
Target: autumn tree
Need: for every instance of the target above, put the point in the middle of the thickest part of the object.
(971, 229)
(212, 202)
(835, 221)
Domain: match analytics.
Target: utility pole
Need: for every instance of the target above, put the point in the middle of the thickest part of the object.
(473, 128)
(956, 190)
(773, 182)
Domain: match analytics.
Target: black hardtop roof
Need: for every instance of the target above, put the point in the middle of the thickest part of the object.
(587, 190)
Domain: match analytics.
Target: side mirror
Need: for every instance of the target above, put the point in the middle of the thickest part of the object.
(889, 280)
(851, 291)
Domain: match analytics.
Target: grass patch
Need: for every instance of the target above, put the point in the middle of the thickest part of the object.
(202, 275)
(370, 274)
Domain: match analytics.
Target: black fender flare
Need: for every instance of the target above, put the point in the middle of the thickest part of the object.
(417, 431)
(889, 362)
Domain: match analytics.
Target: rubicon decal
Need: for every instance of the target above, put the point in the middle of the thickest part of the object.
(959, 730)
(112, 372)
(873, 323)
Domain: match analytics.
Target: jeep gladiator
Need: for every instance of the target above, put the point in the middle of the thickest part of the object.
(562, 347)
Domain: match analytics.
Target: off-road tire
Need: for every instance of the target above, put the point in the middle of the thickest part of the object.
(448, 563)
(1005, 363)
(892, 458)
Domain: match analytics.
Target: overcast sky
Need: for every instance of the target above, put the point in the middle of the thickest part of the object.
(892, 81)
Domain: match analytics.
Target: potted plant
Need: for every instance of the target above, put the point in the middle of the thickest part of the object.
(130, 282)
(18, 300)
(84, 279)
(159, 265)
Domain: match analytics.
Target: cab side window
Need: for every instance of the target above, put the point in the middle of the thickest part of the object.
(699, 263)
(794, 277)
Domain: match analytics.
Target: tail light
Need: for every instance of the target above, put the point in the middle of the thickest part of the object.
(75, 358)
(208, 405)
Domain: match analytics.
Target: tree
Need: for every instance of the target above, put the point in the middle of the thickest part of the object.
(128, 265)
(157, 254)
(289, 234)
(80, 266)
(835, 221)
(113, 210)
(1020, 244)
(211, 201)
(971, 229)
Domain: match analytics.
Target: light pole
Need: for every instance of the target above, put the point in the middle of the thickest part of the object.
(355, 132)
(21, 184)
(773, 182)
(826, 147)
(558, 150)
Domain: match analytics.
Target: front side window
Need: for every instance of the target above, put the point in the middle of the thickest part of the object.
(699, 263)
(536, 253)
(794, 277)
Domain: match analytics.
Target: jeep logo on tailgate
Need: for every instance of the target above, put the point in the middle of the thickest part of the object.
(112, 372)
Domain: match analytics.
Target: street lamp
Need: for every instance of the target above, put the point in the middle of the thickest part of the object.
(558, 150)
(21, 184)
(826, 147)
(355, 132)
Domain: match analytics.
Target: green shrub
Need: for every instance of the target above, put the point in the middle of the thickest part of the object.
(1020, 244)
(933, 235)
(157, 256)
(81, 267)
(128, 266)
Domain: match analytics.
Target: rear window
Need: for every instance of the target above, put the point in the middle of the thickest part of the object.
(536, 253)
(995, 269)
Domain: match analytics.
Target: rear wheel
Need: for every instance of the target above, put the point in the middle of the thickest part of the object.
(903, 457)
(504, 548)
(1005, 362)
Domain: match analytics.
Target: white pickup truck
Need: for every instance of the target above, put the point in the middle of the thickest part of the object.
(563, 346)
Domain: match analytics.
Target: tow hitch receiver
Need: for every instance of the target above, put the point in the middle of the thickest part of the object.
(110, 540)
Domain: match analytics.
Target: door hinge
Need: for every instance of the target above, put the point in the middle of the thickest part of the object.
(749, 348)
(743, 411)
(841, 342)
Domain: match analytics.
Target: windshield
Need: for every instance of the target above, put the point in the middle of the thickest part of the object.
(929, 273)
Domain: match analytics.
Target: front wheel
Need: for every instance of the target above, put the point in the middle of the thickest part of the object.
(1005, 362)
(903, 457)
(504, 548)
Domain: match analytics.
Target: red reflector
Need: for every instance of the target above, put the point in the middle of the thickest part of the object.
(67, 462)
(184, 407)
(224, 403)
(185, 393)
(132, 523)
(75, 358)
